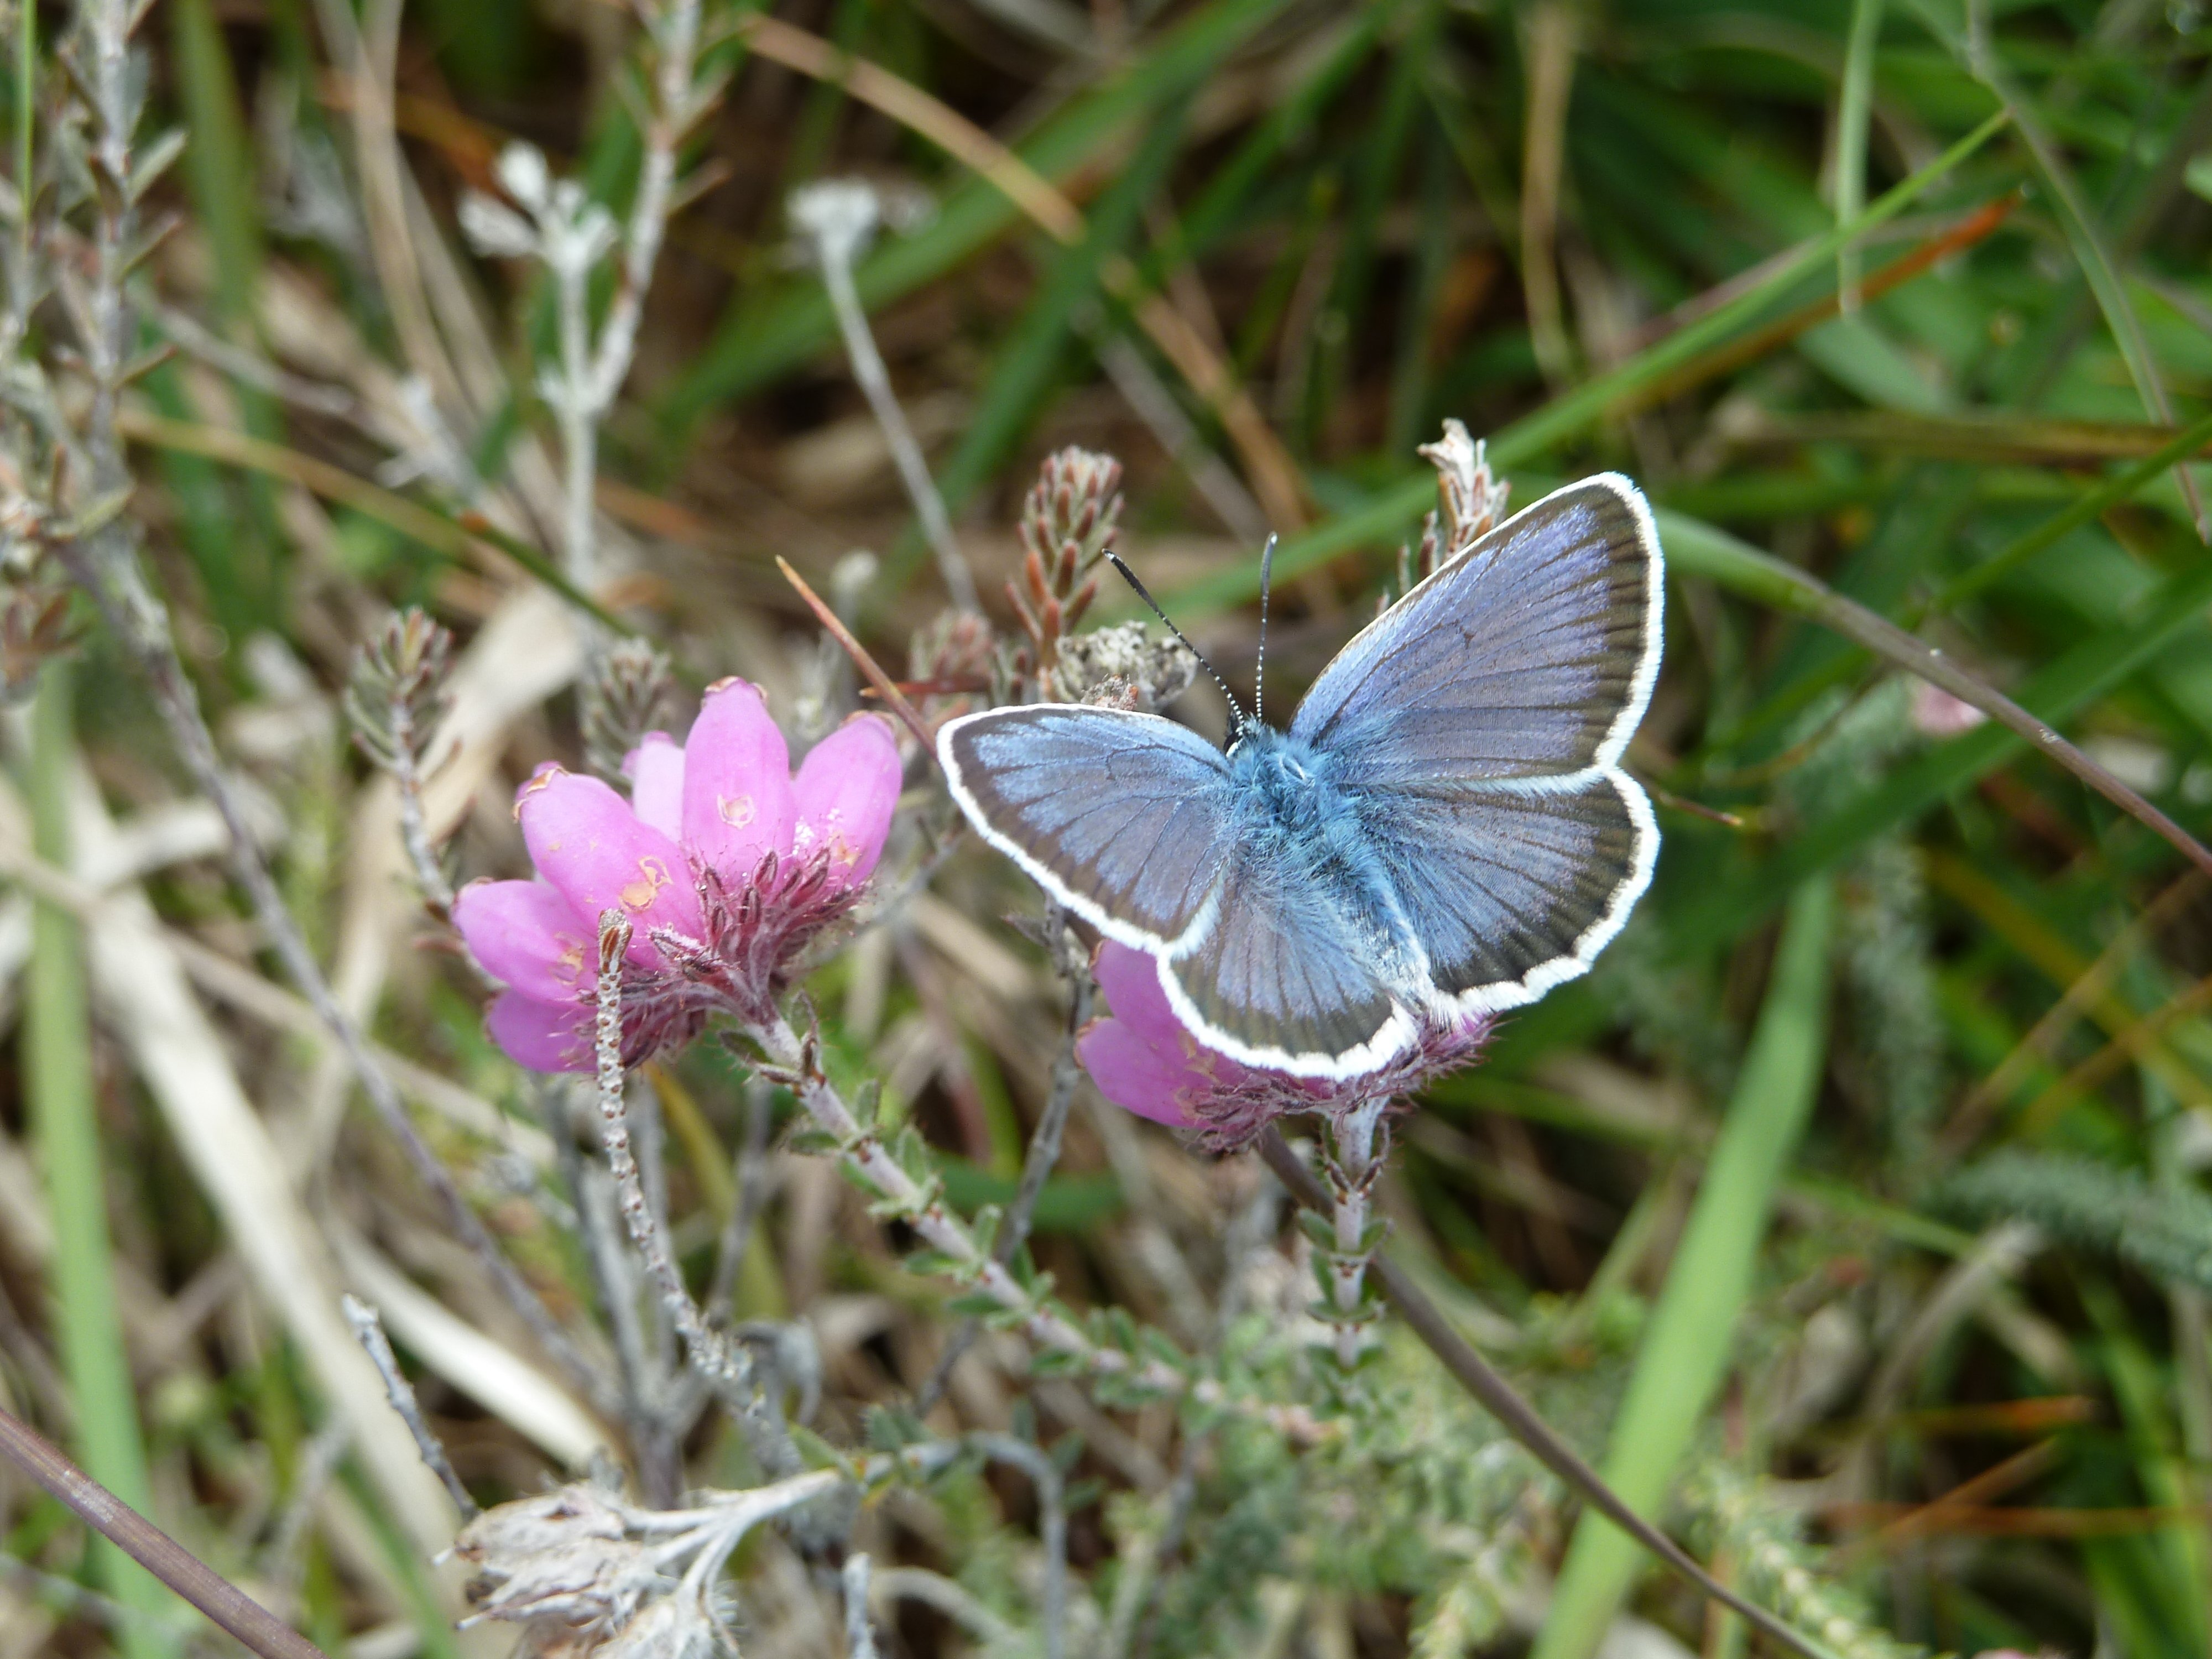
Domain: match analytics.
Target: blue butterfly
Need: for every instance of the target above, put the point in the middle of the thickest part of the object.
(1443, 831)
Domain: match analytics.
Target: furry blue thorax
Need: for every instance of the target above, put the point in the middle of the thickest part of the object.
(1292, 797)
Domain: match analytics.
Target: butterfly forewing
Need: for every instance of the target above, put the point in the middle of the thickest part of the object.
(1125, 817)
(1530, 655)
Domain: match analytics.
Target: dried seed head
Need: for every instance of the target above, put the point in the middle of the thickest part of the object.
(957, 654)
(397, 694)
(34, 629)
(1076, 503)
(837, 216)
(1123, 667)
(1069, 520)
(564, 1560)
(1469, 502)
(621, 702)
(674, 1627)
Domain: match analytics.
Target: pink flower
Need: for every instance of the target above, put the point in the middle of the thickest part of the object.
(725, 866)
(1145, 1060)
(1936, 713)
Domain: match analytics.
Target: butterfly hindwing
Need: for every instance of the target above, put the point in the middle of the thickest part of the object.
(1124, 817)
(1509, 890)
(1282, 974)
(1533, 654)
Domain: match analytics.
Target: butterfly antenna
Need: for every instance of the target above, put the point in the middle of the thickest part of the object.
(1259, 668)
(1235, 710)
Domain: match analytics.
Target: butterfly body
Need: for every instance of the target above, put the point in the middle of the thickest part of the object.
(1299, 819)
(1443, 830)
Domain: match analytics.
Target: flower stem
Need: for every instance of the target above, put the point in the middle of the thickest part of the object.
(1360, 1146)
(106, 564)
(1052, 1526)
(592, 371)
(725, 1365)
(860, 1640)
(839, 218)
(797, 1066)
(875, 382)
(368, 1329)
(414, 830)
(1036, 1168)
(108, 569)
(1522, 1420)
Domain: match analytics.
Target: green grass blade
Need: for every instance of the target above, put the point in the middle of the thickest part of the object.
(1221, 207)
(27, 120)
(1380, 160)
(1410, 373)
(218, 160)
(2082, 235)
(2061, 688)
(782, 330)
(1854, 105)
(2163, 1602)
(1037, 345)
(2125, 487)
(1566, 416)
(1388, 514)
(1685, 1351)
(64, 1114)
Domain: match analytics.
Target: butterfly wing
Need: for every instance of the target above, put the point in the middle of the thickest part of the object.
(1531, 655)
(1508, 891)
(1282, 973)
(1125, 818)
(1135, 824)
(1477, 727)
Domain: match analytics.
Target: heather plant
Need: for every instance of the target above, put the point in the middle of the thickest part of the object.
(776, 1226)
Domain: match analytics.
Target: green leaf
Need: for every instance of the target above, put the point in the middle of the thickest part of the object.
(2166, 1231)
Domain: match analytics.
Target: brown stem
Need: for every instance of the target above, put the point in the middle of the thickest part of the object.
(369, 1330)
(886, 688)
(1500, 1399)
(153, 1549)
(1768, 580)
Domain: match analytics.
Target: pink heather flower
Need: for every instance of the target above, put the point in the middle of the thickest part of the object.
(1147, 1061)
(1936, 713)
(725, 864)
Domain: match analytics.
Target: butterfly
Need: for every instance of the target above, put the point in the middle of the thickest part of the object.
(1443, 830)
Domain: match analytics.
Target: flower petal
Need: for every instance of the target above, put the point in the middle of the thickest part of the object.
(736, 783)
(525, 935)
(587, 841)
(655, 771)
(543, 1036)
(1135, 1074)
(847, 789)
(1131, 981)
